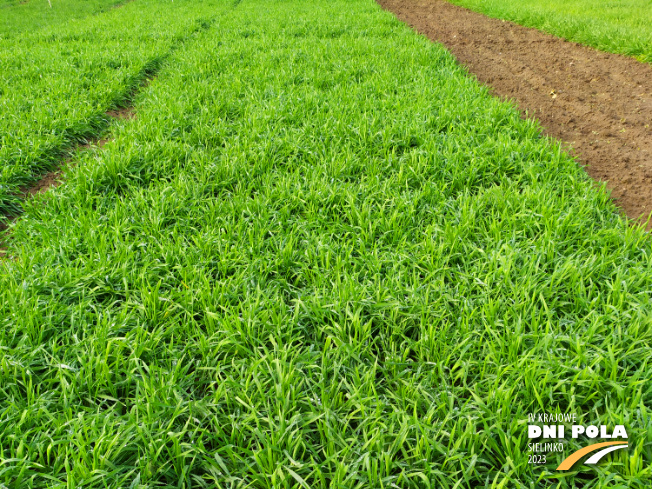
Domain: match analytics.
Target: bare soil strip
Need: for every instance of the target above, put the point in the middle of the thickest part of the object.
(121, 4)
(598, 103)
(48, 181)
(53, 178)
(126, 112)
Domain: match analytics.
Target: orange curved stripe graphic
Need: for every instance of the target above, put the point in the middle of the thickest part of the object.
(574, 457)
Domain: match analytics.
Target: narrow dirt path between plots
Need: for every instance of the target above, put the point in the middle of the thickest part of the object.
(127, 111)
(598, 103)
(53, 178)
(122, 4)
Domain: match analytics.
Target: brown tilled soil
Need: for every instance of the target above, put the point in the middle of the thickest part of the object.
(122, 4)
(598, 103)
(51, 180)
(124, 113)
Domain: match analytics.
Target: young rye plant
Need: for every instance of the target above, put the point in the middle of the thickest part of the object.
(321, 256)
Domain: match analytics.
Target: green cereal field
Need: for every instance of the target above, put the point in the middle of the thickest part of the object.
(317, 255)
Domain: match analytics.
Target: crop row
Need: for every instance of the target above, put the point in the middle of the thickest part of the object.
(321, 256)
(20, 16)
(57, 83)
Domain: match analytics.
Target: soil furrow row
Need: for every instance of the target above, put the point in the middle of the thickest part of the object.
(599, 104)
(125, 110)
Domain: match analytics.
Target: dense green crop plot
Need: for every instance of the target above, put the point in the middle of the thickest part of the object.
(18, 16)
(321, 256)
(57, 83)
(623, 27)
